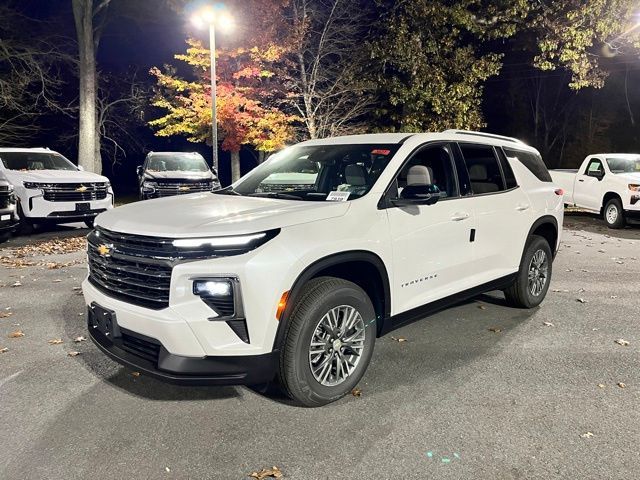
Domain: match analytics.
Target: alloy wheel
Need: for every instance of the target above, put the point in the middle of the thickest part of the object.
(538, 272)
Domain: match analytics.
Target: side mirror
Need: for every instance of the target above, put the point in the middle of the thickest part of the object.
(596, 174)
(417, 195)
(81, 168)
(139, 170)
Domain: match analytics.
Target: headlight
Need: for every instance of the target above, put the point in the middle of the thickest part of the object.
(149, 186)
(33, 185)
(222, 246)
(634, 187)
(107, 184)
(215, 185)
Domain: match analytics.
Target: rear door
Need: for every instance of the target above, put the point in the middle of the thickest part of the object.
(588, 188)
(432, 244)
(504, 213)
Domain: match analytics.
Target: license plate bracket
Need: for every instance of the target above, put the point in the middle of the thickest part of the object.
(104, 321)
(83, 207)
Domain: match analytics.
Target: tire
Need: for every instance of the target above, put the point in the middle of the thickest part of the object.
(4, 237)
(319, 298)
(521, 293)
(614, 214)
(89, 222)
(25, 227)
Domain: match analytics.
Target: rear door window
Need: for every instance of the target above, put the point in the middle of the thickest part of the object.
(484, 171)
(532, 161)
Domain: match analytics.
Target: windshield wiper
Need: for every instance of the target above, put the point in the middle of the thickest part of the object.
(284, 196)
(227, 191)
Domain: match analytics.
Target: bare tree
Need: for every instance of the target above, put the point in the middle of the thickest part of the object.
(331, 93)
(90, 18)
(29, 76)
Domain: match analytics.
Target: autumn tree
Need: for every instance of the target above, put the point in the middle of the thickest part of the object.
(247, 100)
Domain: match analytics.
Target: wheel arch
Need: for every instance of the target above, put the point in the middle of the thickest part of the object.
(609, 196)
(362, 267)
(546, 227)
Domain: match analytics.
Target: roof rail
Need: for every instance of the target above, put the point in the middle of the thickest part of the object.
(482, 134)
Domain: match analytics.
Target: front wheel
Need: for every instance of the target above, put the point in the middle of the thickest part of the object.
(614, 214)
(328, 343)
(532, 283)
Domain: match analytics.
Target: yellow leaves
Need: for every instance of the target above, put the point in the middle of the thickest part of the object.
(356, 392)
(16, 334)
(4, 350)
(73, 354)
(55, 341)
(273, 472)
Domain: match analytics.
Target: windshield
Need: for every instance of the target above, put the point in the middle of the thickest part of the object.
(25, 161)
(624, 164)
(314, 172)
(188, 162)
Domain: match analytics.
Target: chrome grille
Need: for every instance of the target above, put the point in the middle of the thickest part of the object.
(75, 192)
(283, 187)
(169, 189)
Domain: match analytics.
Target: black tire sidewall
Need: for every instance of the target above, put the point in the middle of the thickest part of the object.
(620, 221)
(344, 295)
(534, 245)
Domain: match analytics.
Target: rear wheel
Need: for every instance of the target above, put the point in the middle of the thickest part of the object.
(614, 214)
(328, 343)
(532, 283)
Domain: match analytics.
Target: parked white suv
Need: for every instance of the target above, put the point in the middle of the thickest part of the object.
(52, 189)
(241, 285)
(607, 184)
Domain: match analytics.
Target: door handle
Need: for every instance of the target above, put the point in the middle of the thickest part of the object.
(522, 208)
(458, 217)
(581, 180)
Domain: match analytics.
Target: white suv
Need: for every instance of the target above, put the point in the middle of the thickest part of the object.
(51, 189)
(245, 284)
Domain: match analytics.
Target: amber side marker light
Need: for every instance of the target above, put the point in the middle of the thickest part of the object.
(282, 304)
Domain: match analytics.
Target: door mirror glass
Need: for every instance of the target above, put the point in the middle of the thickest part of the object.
(418, 195)
(596, 174)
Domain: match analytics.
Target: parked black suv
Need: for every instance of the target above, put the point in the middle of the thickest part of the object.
(165, 174)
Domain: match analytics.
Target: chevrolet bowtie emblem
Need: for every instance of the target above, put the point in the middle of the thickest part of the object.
(184, 189)
(81, 189)
(104, 250)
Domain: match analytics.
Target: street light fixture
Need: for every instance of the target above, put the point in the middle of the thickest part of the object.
(212, 17)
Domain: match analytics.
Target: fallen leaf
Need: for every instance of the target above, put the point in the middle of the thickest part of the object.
(57, 280)
(601, 385)
(356, 392)
(581, 300)
(273, 472)
(399, 339)
(135, 374)
(73, 354)
(482, 307)
(622, 385)
(167, 469)
(79, 339)
(5, 314)
(4, 350)
(16, 284)
(587, 435)
(16, 334)
(614, 297)
(622, 342)
(495, 329)
(55, 341)
(548, 324)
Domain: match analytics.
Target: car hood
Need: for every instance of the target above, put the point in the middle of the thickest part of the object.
(632, 177)
(209, 214)
(176, 175)
(52, 176)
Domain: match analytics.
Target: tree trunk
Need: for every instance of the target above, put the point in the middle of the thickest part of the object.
(261, 157)
(235, 166)
(89, 141)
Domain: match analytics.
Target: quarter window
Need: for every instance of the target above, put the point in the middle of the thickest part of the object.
(484, 171)
(532, 161)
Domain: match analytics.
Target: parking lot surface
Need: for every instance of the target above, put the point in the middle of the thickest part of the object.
(476, 391)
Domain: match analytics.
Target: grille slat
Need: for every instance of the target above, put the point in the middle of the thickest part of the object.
(75, 192)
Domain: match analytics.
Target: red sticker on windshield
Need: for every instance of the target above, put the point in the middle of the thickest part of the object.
(380, 152)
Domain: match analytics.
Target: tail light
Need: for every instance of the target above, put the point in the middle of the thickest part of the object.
(559, 192)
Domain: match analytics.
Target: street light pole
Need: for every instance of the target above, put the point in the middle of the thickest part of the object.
(214, 119)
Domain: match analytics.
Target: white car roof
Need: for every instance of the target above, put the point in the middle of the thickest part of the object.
(35, 150)
(447, 135)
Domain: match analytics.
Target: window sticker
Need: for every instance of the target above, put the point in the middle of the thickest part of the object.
(338, 196)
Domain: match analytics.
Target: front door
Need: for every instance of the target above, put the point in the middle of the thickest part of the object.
(432, 244)
(587, 190)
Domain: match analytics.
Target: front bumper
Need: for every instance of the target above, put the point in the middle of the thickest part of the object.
(8, 224)
(147, 355)
(35, 207)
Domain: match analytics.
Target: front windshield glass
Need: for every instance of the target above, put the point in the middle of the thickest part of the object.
(187, 162)
(25, 161)
(346, 172)
(624, 164)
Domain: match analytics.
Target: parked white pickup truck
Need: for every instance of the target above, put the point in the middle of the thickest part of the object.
(607, 183)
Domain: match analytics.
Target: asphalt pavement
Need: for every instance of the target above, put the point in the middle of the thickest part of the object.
(478, 391)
